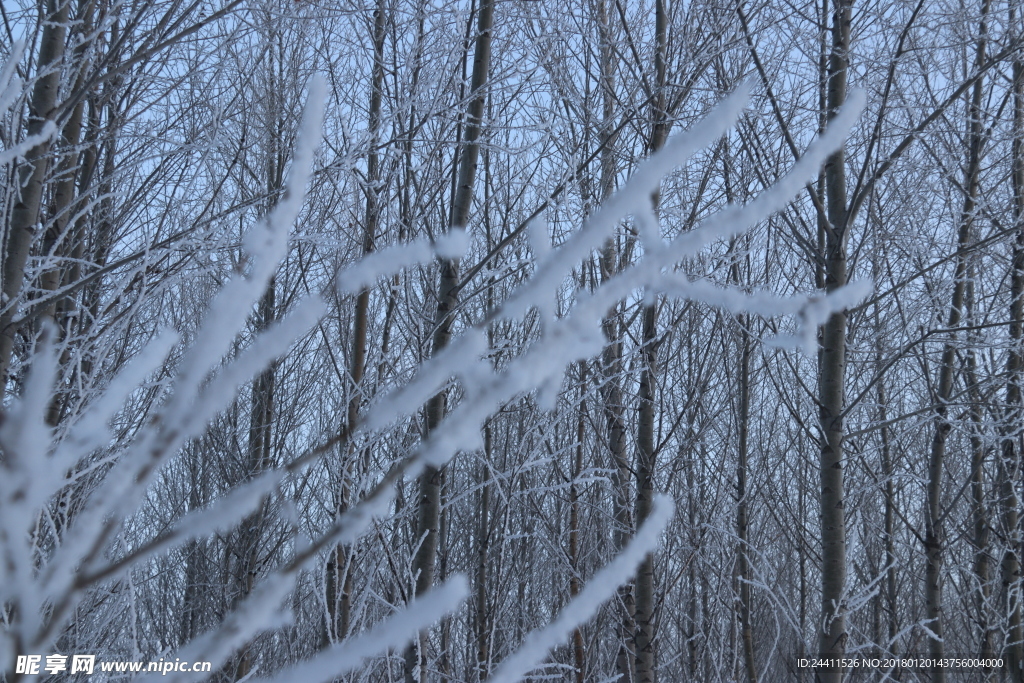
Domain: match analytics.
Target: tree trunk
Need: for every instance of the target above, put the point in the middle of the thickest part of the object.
(339, 569)
(482, 619)
(1010, 458)
(644, 498)
(889, 492)
(578, 652)
(611, 358)
(742, 543)
(21, 228)
(832, 359)
(259, 459)
(979, 512)
(646, 455)
(934, 533)
(429, 506)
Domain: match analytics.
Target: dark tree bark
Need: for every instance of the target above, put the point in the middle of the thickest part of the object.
(1009, 457)
(339, 568)
(935, 539)
(431, 481)
(21, 229)
(832, 370)
(646, 454)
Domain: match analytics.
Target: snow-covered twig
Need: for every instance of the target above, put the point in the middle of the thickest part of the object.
(43, 591)
(584, 606)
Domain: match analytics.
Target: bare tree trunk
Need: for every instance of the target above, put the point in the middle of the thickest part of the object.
(31, 176)
(249, 550)
(695, 637)
(339, 568)
(482, 619)
(979, 512)
(801, 498)
(429, 506)
(1010, 458)
(614, 409)
(611, 358)
(68, 251)
(578, 652)
(742, 429)
(831, 388)
(57, 245)
(934, 533)
(646, 455)
(889, 493)
(644, 498)
(259, 459)
(197, 566)
(742, 547)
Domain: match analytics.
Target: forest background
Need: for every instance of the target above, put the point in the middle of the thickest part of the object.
(358, 341)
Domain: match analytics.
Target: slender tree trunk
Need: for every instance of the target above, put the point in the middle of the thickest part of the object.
(67, 249)
(934, 533)
(644, 498)
(21, 228)
(979, 512)
(578, 652)
(444, 660)
(832, 359)
(886, 598)
(801, 498)
(889, 493)
(611, 359)
(742, 543)
(614, 409)
(339, 569)
(59, 246)
(695, 635)
(429, 506)
(482, 619)
(646, 455)
(742, 428)
(249, 552)
(259, 459)
(1010, 458)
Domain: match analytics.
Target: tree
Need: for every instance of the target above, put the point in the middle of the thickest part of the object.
(353, 417)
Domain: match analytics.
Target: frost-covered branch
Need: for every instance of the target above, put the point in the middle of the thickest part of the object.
(583, 607)
(41, 589)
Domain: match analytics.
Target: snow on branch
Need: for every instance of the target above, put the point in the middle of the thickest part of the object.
(10, 90)
(34, 468)
(391, 260)
(583, 607)
(393, 633)
(577, 335)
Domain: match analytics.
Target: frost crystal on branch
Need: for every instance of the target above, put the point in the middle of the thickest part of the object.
(41, 589)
